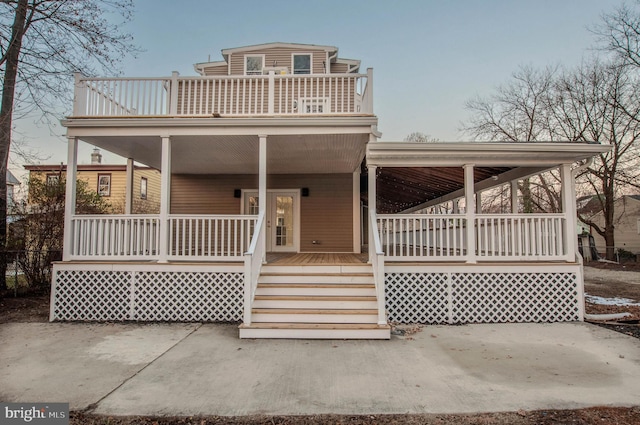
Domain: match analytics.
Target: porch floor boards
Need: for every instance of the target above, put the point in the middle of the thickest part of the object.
(302, 259)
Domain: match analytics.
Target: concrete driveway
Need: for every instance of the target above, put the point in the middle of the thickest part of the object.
(192, 369)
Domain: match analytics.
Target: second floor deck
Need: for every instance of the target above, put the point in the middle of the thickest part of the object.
(225, 96)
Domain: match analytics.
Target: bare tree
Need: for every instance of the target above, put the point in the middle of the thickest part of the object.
(419, 137)
(598, 102)
(519, 112)
(42, 42)
(619, 33)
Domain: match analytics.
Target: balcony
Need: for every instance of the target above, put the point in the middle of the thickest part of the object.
(224, 96)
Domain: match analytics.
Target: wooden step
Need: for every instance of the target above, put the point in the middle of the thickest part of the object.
(315, 331)
(318, 302)
(351, 289)
(297, 315)
(328, 279)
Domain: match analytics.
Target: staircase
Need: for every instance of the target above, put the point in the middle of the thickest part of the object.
(315, 302)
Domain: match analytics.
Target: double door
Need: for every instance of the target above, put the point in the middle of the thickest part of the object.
(282, 218)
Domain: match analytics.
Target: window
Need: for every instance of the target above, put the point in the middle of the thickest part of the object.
(143, 188)
(253, 64)
(104, 184)
(302, 64)
(53, 179)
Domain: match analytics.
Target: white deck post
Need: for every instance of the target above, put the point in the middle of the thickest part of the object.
(357, 218)
(569, 211)
(79, 96)
(514, 196)
(262, 183)
(173, 96)
(165, 200)
(372, 194)
(128, 201)
(470, 213)
(271, 96)
(70, 197)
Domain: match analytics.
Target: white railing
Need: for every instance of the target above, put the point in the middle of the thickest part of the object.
(376, 257)
(209, 237)
(252, 95)
(135, 237)
(253, 259)
(520, 237)
(423, 237)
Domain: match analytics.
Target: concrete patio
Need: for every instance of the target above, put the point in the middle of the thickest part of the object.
(193, 369)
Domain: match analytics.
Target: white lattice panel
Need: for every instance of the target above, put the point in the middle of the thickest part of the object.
(189, 296)
(107, 295)
(482, 297)
(92, 295)
(417, 297)
(514, 297)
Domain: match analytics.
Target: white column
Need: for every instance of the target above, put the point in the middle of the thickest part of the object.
(514, 196)
(262, 184)
(372, 193)
(470, 213)
(569, 211)
(128, 201)
(357, 216)
(165, 198)
(70, 197)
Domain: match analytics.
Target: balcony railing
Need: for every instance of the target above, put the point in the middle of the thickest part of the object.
(224, 96)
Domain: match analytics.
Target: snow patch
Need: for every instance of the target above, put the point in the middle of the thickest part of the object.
(593, 299)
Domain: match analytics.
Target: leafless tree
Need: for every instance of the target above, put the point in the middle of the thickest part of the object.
(598, 102)
(42, 42)
(419, 137)
(619, 33)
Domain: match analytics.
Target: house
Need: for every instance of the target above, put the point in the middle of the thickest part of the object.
(126, 188)
(280, 208)
(12, 182)
(627, 225)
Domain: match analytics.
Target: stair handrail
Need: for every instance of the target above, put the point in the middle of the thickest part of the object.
(253, 260)
(376, 258)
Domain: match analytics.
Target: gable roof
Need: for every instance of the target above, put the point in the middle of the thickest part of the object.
(227, 52)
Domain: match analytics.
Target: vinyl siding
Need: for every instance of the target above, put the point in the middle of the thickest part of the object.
(216, 70)
(280, 56)
(326, 215)
(626, 233)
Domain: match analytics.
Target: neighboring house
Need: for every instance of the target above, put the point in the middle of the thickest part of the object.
(12, 182)
(281, 209)
(626, 225)
(110, 182)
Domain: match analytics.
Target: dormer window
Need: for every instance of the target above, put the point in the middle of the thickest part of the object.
(253, 64)
(302, 63)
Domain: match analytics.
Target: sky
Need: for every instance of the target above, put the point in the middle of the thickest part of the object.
(428, 57)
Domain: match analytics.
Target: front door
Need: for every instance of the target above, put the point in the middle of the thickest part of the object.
(282, 220)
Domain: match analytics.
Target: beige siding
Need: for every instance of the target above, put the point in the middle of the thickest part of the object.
(279, 57)
(339, 68)
(326, 215)
(151, 205)
(627, 231)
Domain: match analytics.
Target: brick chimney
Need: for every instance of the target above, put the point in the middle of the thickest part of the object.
(96, 157)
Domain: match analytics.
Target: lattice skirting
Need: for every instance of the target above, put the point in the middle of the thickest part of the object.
(179, 296)
(485, 297)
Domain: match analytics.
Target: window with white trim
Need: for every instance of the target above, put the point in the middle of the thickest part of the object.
(104, 184)
(53, 179)
(143, 188)
(253, 64)
(301, 63)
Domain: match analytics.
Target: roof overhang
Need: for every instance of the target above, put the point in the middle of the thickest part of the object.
(413, 176)
(227, 52)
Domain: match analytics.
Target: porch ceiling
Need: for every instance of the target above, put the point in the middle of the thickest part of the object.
(238, 154)
(416, 175)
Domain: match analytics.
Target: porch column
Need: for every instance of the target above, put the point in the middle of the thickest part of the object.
(357, 213)
(165, 200)
(70, 197)
(514, 196)
(262, 183)
(371, 191)
(128, 201)
(470, 213)
(569, 211)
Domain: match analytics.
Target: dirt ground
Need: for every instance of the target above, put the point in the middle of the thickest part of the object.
(603, 280)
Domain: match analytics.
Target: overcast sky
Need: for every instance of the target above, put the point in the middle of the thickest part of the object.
(428, 57)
